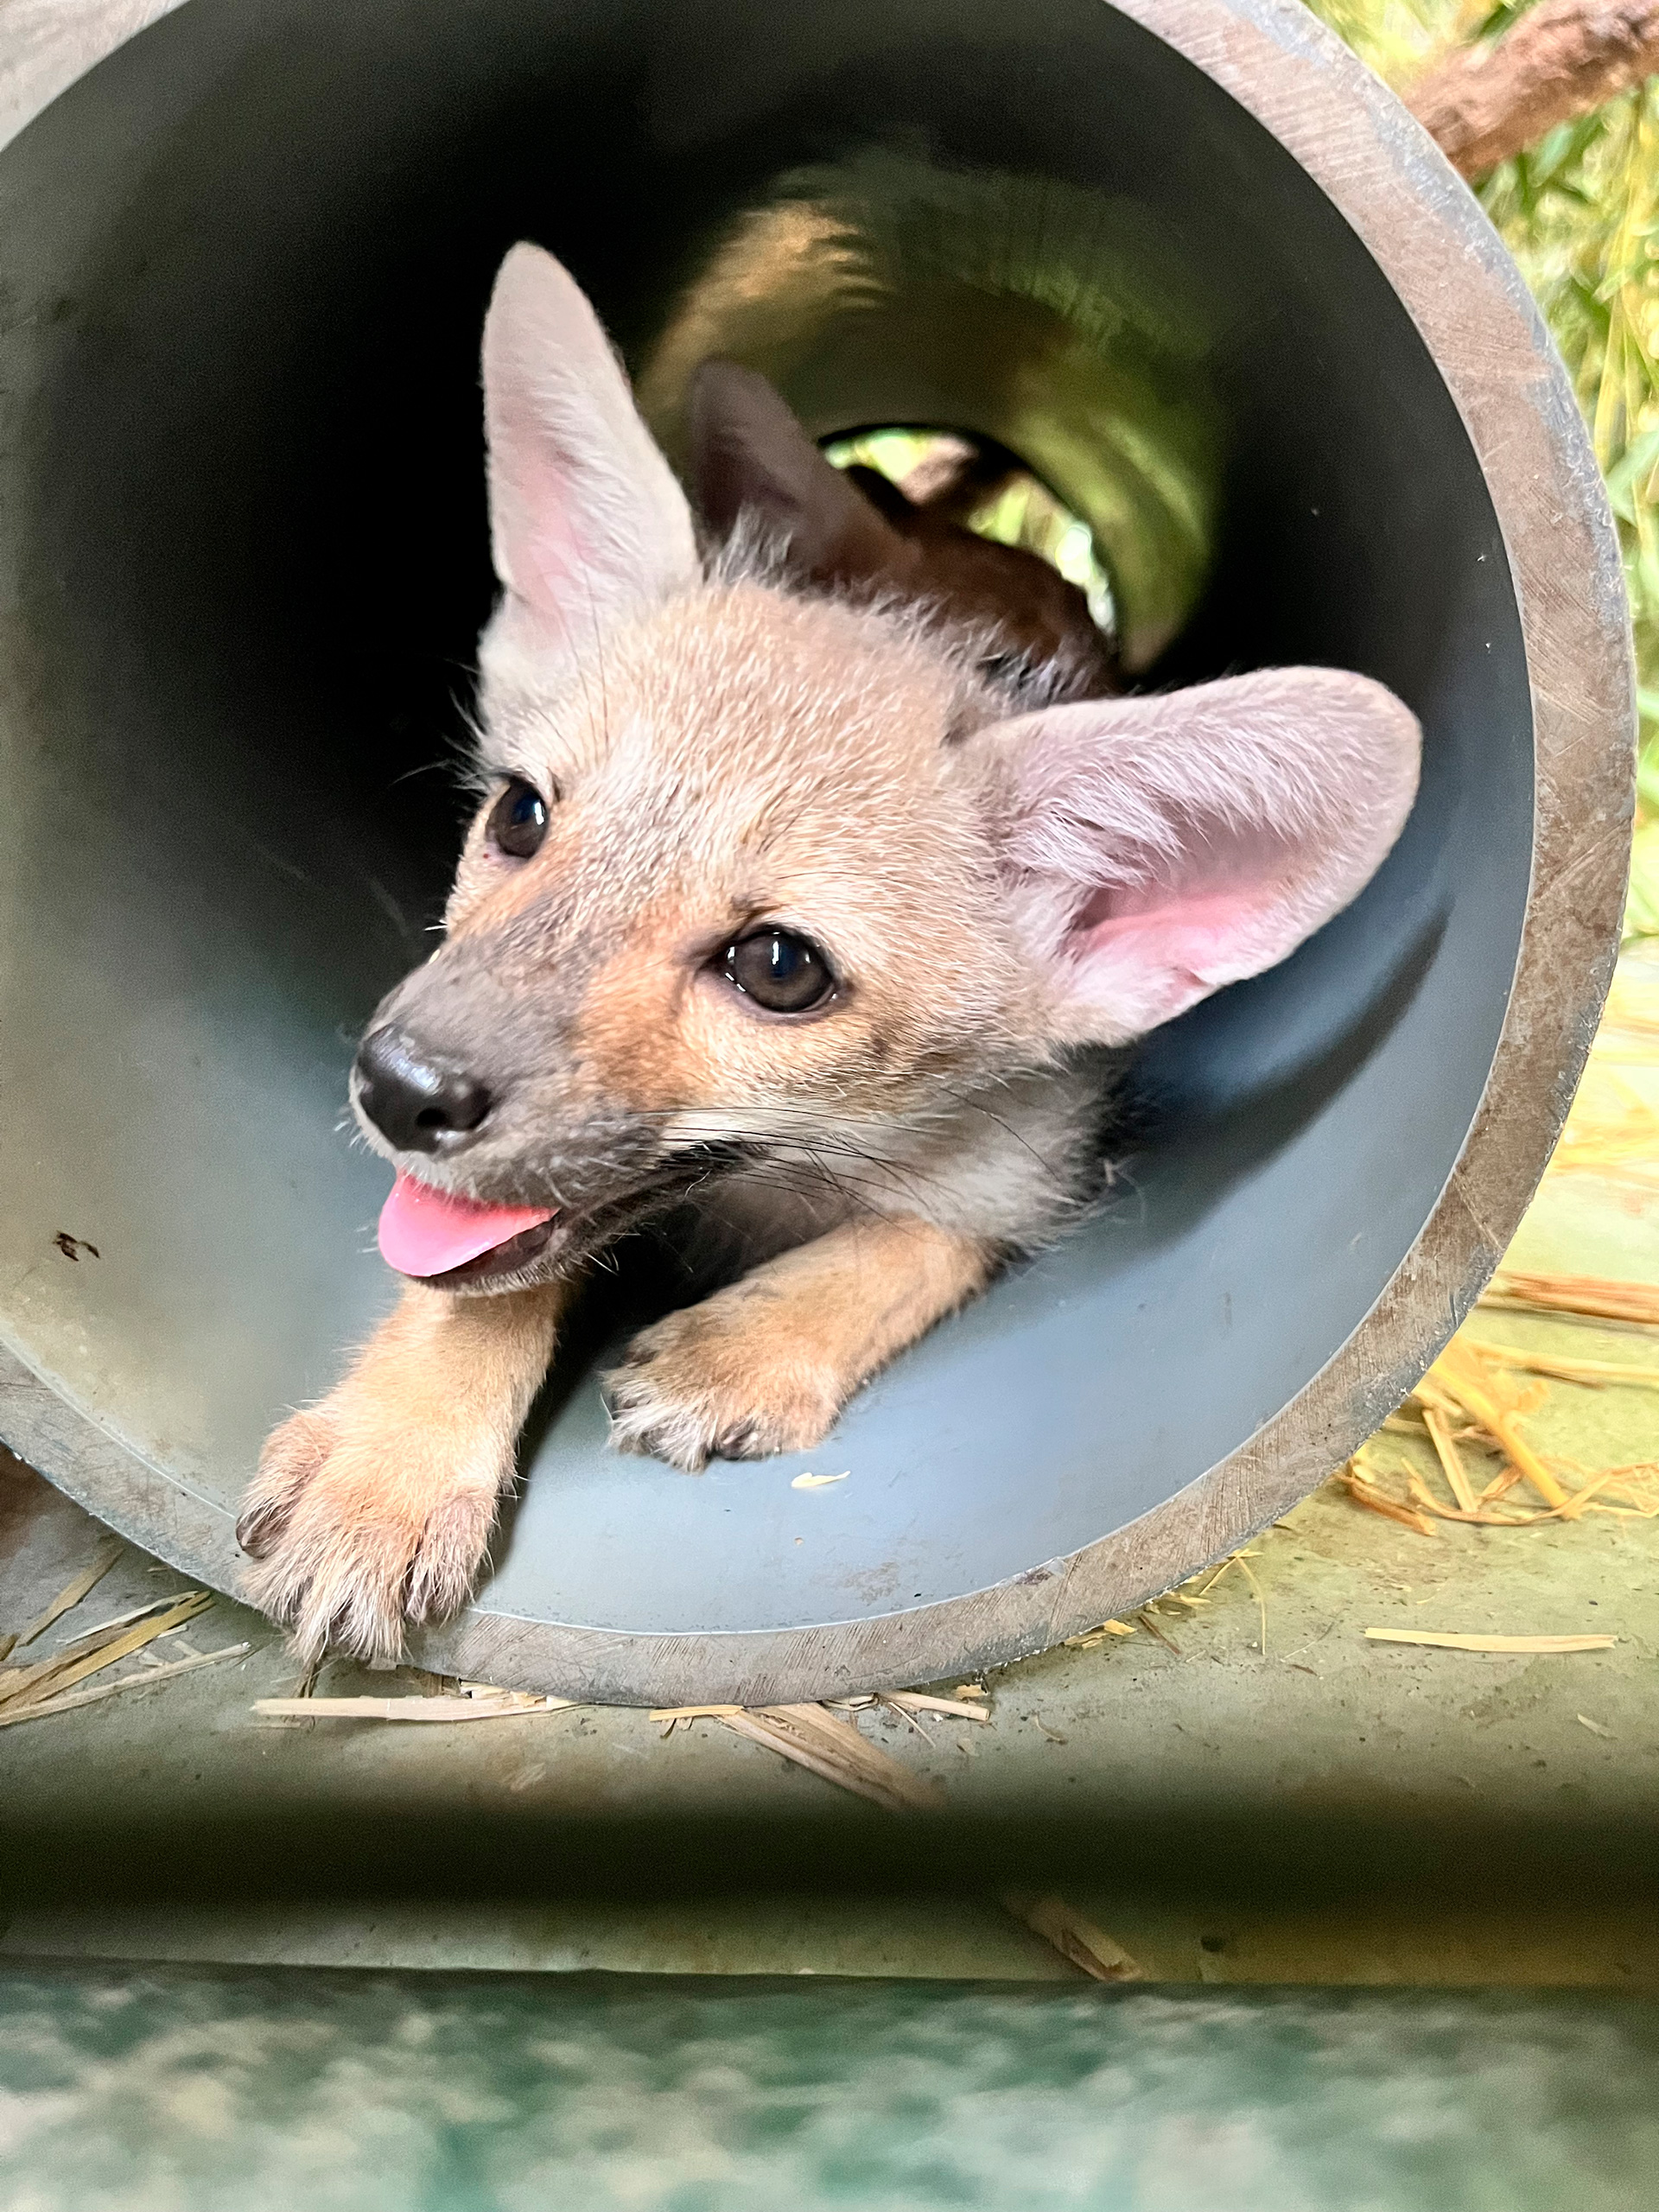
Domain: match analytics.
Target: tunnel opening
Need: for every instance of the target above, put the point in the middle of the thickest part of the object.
(248, 557)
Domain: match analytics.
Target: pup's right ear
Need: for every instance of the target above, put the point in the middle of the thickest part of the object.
(587, 521)
(750, 455)
(1158, 848)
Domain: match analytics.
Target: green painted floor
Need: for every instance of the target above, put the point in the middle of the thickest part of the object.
(186, 2091)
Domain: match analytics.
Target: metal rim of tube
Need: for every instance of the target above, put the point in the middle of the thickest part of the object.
(1426, 233)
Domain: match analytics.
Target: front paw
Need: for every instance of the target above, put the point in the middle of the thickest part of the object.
(359, 1524)
(724, 1380)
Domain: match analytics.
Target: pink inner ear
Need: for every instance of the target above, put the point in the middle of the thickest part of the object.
(1197, 920)
(550, 545)
(1176, 946)
(587, 520)
(1183, 840)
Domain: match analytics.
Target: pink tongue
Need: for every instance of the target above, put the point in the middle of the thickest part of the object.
(426, 1232)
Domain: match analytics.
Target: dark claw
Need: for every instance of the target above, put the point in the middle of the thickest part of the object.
(261, 1525)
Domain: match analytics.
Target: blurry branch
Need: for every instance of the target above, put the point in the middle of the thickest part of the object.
(1486, 102)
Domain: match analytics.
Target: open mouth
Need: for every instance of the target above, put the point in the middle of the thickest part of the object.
(440, 1238)
(451, 1241)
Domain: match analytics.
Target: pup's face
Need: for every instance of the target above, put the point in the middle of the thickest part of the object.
(731, 886)
(755, 870)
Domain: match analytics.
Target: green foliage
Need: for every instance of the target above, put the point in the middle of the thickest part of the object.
(1579, 211)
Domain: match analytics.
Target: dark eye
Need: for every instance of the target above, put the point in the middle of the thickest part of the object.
(517, 820)
(778, 971)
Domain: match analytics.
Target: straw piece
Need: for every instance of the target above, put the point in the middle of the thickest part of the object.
(1595, 1726)
(1460, 1375)
(1596, 1372)
(918, 1701)
(695, 1712)
(1094, 1636)
(1447, 1453)
(84, 1641)
(504, 1705)
(834, 1750)
(1421, 1494)
(43, 1708)
(1087, 1946)
(1365, 1493)
(1502, 1482)
(1490, 1642)
(52, 1676)
(818, 1482)
(74, 1591)
(1599, 1297)
(1151, 1628)
(910, 1719)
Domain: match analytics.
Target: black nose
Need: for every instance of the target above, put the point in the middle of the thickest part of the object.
(417, 1104)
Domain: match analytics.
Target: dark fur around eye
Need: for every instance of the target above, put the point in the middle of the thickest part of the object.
(517, 820)
(778, 971)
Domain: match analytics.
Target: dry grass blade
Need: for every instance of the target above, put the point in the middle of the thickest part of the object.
(1597, 1297)
(1151, 1628)
(1417, 1491)
(1364, 1492)
(695, 1712)
(1595, 1373)
(1499, 1644)
(1088, 1947)
(73, 1592)
(51, 1676)
(1446, 1452)
(834, 1750)
(910, 1719)
(44, 1708)
(505, 1704)
(918, 1701)
(88, 1638)
(1458, 1373)
(1104, 1634)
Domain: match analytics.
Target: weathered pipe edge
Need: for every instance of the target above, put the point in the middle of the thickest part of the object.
(1448, 270)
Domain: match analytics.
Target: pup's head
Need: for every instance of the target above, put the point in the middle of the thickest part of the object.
(758, 867)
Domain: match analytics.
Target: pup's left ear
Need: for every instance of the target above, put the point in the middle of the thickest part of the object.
(1160, 848)
(587, 521)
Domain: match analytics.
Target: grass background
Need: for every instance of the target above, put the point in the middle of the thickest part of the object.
(1580, 211)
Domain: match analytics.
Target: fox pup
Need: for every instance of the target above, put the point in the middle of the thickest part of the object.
(798, 895)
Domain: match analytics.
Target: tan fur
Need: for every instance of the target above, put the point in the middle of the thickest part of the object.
(766, 1365)
(374, 1507)
(753, 754)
